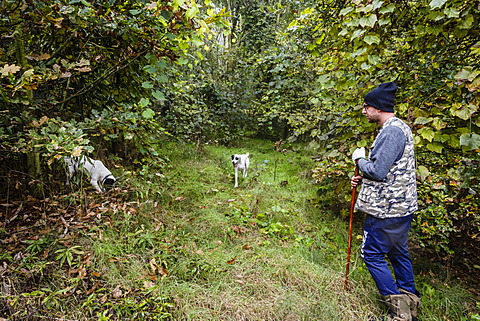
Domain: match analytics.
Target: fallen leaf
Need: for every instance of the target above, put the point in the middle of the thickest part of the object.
(37, 57)
(163, 272)
(95, 274)
(148, 284)
(117, 292)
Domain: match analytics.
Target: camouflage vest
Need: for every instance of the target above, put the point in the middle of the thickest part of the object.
(396, 195)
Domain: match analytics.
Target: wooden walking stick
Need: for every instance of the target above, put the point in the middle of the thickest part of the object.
(350, 231)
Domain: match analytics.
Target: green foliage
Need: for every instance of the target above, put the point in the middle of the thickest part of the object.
(55, 138)
(81, 76)
(147, 304)
(267, 222)
(37, 246)
(334, 184)
(448, 201)
(68, 255)
(412, 44)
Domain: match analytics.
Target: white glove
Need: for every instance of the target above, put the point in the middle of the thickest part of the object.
(358, 153)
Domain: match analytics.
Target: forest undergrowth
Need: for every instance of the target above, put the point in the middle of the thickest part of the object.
(176, 241)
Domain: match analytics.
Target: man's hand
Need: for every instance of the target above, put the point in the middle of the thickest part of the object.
(358, 153)
(355, 181)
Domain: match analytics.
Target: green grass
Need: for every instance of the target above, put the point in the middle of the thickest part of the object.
(262, 251)
(184, 244)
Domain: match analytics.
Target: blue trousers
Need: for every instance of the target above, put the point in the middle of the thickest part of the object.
(388, 238)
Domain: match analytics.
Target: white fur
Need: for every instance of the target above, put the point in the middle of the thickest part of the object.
(99, 174)
(240, 162)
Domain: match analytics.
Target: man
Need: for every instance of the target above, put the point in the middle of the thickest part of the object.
(388, 197)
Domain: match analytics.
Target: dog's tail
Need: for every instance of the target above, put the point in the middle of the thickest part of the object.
(247, 154)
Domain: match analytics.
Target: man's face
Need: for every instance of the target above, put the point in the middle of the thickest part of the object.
(371, 113)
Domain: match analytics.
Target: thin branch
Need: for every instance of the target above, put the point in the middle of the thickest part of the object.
(11, 24)
(107, 74)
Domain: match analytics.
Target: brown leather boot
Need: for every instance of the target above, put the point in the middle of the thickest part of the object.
(399, 307)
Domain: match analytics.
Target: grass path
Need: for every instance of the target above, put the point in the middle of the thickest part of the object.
(258, 252)
(264, 251)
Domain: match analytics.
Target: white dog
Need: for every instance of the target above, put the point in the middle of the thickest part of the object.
(100, 177)
(240, 161)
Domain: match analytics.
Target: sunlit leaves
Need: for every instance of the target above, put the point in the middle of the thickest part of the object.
(427, 133)
(346, 11)
(470, 140)
(467, 22)
(9, 70)
(144, 102)
(135, 12)
(387, 9)
(55, 138)
(357, 33)
(370, 54)
(438, 123)
(192, 12)
(435, 4)
(435, 147)
(422, 120)
(371, 39)
(467, 73)
(148, 113)
(177, 3)
(364, 9)
(147, 84)
(368, 21)
(423, 172)
(470, 76)
(463, 111)
(452, 12)
(158, 95)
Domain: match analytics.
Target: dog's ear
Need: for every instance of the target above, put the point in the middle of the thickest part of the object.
(109, 183)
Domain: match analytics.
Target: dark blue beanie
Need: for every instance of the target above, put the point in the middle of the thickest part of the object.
(382, 97)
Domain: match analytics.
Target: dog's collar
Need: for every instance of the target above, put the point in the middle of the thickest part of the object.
(105, 178)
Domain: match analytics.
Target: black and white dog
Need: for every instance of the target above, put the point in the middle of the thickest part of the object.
(100, 177)
(240, 161)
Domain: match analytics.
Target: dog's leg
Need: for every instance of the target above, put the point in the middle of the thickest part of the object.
(67, 181)
(236, 177)
(69, 175)
(70, 170)
(94, 183)
(94, 179)
(245, 167)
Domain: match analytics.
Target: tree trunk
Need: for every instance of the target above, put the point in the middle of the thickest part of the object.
(34, 171)
(33, 158)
